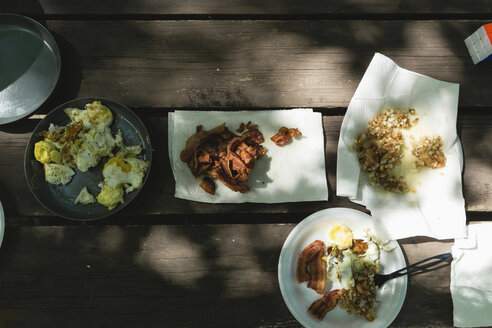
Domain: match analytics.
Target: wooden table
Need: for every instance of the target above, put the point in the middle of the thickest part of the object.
(166, 262)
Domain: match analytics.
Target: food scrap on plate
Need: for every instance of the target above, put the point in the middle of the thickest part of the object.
(347, 262)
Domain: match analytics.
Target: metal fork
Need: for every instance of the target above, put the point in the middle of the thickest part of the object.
(416, 268)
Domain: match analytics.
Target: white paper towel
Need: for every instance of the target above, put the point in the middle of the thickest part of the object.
(471, 277)
(437, 208)
(294, 172)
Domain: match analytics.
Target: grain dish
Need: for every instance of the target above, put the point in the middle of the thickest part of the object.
(388, 142)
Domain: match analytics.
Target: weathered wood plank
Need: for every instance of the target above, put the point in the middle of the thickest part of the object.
(173, 276)
(244, 7)
(157, 196)
(250, 64)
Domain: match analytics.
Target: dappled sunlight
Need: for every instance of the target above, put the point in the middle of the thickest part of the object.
(428, 40)
(167, 253)
(245, 270)
(480, 191)
(111, 238)
(55, 235)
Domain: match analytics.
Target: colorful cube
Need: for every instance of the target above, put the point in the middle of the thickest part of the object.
(479, 44)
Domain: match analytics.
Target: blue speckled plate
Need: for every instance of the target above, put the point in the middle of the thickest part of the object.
(60, 199)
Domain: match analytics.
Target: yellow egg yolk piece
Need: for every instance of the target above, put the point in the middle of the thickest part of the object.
(341, 236)
(45, 152)
(110, 197)
(119, 162)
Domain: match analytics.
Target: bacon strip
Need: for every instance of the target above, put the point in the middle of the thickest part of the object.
(284, 135)
(220, 154)
(208, 185)
(318, 273)
(325, 304)
(311, 267)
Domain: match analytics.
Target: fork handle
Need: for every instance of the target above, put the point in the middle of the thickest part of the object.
(422, 265)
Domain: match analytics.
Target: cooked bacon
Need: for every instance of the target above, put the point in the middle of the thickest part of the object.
(222, 155)
(359, 247)
(241, 127)
(208, 185)
(311, 267)
(317, 267)
(198, 140)
(253, 137)
(284, 135)
(307, 255)
(218, 173)
(325, 304)
(250, 126)
(199, 163)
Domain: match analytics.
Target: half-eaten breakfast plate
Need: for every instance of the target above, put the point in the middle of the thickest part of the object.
(298, 297)
(114, 138)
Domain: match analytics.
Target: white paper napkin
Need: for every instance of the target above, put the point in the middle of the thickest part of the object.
(471, 277)
(437, 208)
(294, 172)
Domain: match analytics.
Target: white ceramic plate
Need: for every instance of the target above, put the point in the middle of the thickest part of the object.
(298, 297)
(2, 223)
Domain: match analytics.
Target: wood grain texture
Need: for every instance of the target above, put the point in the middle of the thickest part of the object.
(157, 196)
(251, 64)
(245, 7)
(173, 276)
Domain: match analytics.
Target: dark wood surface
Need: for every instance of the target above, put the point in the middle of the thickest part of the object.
(166, 262)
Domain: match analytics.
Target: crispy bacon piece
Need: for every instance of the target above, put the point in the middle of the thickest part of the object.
(284, 135)
(208, 185)
(241, 127)
(199, 139)
(318, 274)
(311, 267)
(325, 304)
(359, 246)
(220, 154)
(250, 126)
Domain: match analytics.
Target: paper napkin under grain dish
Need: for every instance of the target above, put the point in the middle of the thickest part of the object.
(436, 209)
(471, 278)
(294, 172)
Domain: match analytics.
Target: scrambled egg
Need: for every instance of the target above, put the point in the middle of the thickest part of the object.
(95, 116)
(84, 197)
(122, 172)
(82, 144)
(343, 262)
(109, 196)
(45, 152)
(58, 174)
